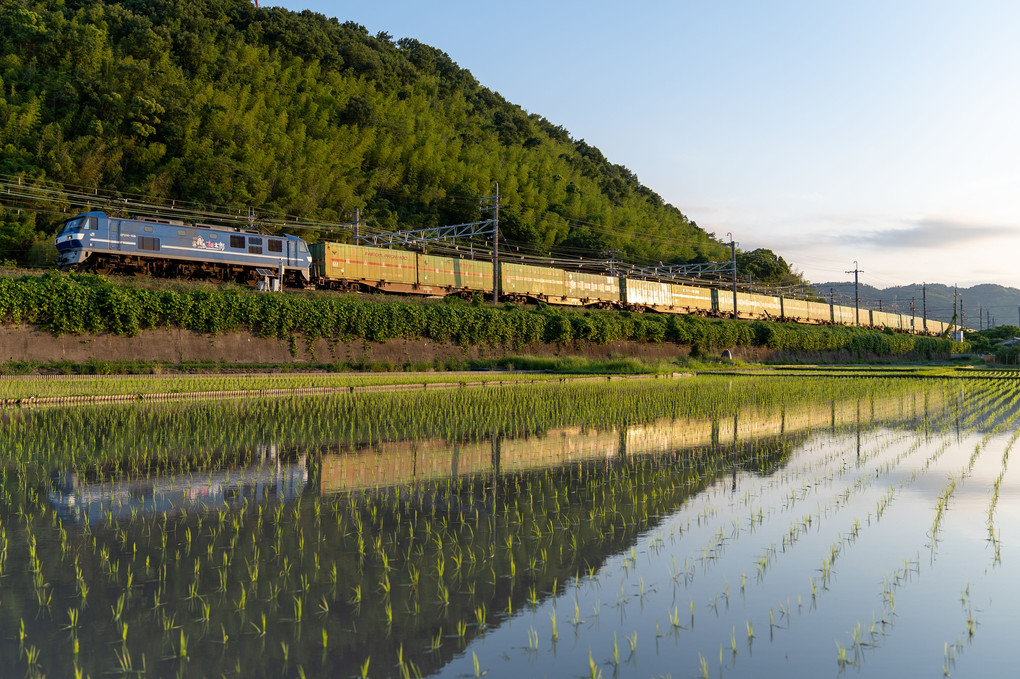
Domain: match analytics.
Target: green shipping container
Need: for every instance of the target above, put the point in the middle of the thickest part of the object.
(591, 288)
(667, 296)
(452, 274)
(536, 282)
(882, 319)
(756, 306)
(819, 312)
(795, 309)
(845, 315)
(340, 261)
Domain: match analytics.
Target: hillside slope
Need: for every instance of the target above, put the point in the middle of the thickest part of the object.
(224, 104)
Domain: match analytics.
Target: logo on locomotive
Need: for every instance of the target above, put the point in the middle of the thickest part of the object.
(203, 244)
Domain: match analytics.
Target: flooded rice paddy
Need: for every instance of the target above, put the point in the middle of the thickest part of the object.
(716, 526)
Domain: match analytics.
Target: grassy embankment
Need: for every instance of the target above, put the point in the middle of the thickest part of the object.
(81, 304)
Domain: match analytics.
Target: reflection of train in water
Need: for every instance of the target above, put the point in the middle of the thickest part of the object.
(270, 481)
(400, 463)
(97, 242)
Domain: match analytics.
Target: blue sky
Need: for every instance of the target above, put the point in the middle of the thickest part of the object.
(882, 132)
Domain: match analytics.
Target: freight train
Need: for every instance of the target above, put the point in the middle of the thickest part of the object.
(96, 242)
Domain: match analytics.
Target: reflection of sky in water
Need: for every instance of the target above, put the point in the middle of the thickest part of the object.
(892, 554)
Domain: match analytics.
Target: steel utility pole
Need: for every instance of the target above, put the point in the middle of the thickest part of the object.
(611, 254)
(857, 295)
(981, 317)
(956, 310)
(733, 262)
(495, 246)
(963, 321)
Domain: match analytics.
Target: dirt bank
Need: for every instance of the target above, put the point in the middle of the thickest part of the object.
(25, 343)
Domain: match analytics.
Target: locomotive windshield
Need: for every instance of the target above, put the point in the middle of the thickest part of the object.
(79, 224)
(73, 225)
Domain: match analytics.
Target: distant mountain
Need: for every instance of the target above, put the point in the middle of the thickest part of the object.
(1002, 304)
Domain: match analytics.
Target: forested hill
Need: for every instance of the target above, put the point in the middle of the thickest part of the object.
(224, 104)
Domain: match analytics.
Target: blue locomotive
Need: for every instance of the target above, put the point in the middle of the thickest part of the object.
(94, 241)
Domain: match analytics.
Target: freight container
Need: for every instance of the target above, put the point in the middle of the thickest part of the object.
(794, 309)
(819, 312)
(591, 289)
(845, 315)
(344, 266)
(448, 274)
(522, 282)
(882, 319)
(667, 297)
(757, 306)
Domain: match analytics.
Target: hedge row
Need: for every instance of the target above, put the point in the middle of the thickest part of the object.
(76, 304)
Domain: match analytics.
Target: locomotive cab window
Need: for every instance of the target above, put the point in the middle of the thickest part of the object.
(275, 245)
(73, 225)
(237, 241)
